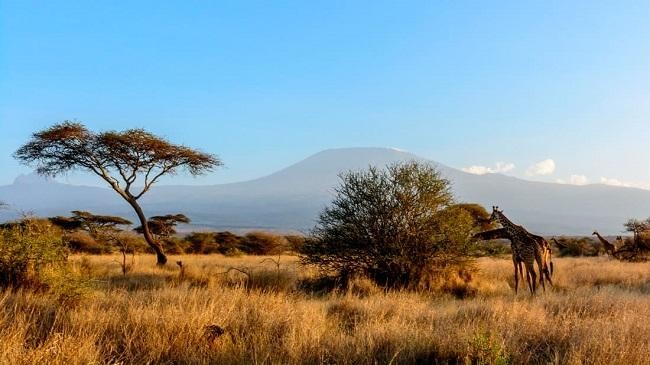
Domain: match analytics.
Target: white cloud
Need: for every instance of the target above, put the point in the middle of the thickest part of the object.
(613, 182)
(504, 166)
(625, 184)
(545, 167)
(499, 167)
(578, 180)
(574, 180)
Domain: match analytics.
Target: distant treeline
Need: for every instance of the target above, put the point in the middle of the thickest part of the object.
(225, 243)
(94, 234)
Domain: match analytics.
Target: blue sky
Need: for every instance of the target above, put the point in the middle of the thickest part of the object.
(265, 84)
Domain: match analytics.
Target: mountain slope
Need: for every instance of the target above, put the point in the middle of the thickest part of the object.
(290, 199)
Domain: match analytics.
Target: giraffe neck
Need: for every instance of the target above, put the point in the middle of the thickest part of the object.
(601, 238)
(507, 224)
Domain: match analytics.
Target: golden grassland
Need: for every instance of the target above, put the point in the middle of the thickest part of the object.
(597, 313)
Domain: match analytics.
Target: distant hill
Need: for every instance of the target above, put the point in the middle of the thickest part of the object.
(291, 199)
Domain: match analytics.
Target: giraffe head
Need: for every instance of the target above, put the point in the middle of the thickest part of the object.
(595, 233)
(496, 215)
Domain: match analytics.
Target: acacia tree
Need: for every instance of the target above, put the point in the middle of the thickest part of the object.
(637, 228)
(91, 223)
(164, 225)
(120, 158)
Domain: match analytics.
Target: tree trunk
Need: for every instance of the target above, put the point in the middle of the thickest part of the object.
(157, 247)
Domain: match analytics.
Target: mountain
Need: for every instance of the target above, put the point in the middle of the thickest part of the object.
(290, 199)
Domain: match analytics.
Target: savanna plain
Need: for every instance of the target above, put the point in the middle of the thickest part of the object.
(266, 310)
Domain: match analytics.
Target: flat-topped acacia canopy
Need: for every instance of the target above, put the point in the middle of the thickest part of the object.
(119, 158)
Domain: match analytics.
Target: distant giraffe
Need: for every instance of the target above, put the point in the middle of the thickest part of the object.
(502, 233)
(608, 246)
(558, 243)
(527, 248)
(619, 241)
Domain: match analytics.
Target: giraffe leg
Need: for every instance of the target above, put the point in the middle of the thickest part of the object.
(548, 271)
(540, 266)
(525, 278)
(514, 261)
(530, 268)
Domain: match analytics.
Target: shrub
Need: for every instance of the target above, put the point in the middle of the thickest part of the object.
(201, 243)
(397, 226)
(263, 243)
(80, 241)
(295, 242)
(173, 246)
(583, 246)
(493, 248)
(27, 249)
(227, 242)
(233, 252)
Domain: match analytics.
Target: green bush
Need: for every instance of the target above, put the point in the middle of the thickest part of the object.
(27, 249)
(398, 226)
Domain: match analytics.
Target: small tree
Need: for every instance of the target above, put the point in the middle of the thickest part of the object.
(119, 158)
(164, 225)
(396, 225)
(639, 248)
(98, 225)
(103, 228)
(637, 228)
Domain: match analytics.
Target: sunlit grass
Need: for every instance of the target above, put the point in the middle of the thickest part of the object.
(597, 313)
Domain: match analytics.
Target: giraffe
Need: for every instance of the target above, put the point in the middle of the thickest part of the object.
(527, 248)
(558, 243)
(547, 256)
(619, 241)
(608, 246)
(502, 233)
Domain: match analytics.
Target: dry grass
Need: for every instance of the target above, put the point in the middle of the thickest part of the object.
(598, 313)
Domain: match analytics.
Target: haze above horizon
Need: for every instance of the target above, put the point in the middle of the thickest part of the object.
(553, 92)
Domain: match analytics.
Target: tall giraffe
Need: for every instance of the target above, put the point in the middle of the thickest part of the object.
(608, 246)
(526, 248)
(502, 233)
